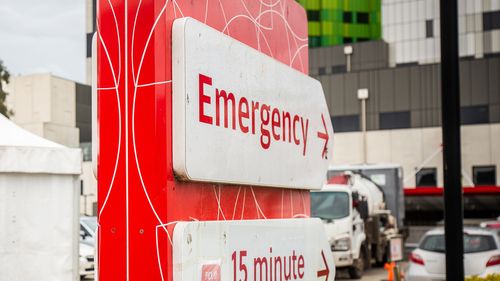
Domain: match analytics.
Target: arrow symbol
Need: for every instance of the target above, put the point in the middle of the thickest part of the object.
(326, 271)
(324, 136)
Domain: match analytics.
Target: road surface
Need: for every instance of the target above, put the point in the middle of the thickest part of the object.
(374, 274)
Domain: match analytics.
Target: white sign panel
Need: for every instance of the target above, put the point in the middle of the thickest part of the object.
(396, 244)
(242, 117)
(256, 250)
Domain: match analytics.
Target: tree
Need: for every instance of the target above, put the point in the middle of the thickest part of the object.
(4, 77)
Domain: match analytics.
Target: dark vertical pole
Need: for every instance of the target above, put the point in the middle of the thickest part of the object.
(450, 97)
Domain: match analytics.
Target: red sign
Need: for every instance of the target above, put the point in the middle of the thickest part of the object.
(210, 272)
(139, 198)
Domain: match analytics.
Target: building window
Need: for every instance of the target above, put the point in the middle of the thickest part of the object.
(394, 120)
(313, 15)
(491, 20)
(347, 17)
(86, 148)
(321, 71)
(426, 177)
(89, 44)
(429, 28)
(346, 123)
(478, 114)
(339, 69)
(484, 175)
(347, 40)
(363, 17)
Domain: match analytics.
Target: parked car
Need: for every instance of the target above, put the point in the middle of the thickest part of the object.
(481, 255)
(87, 253)
(88, 227)
(491, 224)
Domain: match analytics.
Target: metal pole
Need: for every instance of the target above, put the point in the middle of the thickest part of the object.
(348, 53)
(348, 63)
(363, 127)
(450, 109)
(363, 95)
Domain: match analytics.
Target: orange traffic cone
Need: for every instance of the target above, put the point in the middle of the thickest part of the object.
(390, 270)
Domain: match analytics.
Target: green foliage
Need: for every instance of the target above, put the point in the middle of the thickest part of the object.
(490, 277)
(4, 78)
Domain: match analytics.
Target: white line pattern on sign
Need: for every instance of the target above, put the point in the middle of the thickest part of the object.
(117, 70)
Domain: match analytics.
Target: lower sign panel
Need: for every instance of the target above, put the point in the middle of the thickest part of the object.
(260, 250)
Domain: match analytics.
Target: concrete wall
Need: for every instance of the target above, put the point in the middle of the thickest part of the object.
(45, 105)
(413, 148)
(365, 56)
(29, 98)
(89, 189)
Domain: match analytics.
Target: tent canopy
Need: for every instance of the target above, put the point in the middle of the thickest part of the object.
(24, 152)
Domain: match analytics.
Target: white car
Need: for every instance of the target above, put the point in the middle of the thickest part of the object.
(86, 260)
(481, 255)
(88, 227)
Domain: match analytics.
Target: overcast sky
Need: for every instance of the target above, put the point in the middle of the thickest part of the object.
(43, 36)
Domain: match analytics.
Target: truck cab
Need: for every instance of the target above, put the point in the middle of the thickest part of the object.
(344, 227)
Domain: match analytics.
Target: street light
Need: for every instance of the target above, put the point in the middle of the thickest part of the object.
(348, 53)
(363, 96)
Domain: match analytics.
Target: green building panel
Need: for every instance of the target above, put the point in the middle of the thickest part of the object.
(335, 22)
(314, 29)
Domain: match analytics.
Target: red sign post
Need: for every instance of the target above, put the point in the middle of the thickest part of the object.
(139, 198)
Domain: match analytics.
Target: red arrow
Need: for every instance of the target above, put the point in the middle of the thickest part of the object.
(324, 136)
(326, 271)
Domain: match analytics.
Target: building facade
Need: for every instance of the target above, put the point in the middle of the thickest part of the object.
(412, 28)
(404, 112)
(402, 75)
(90, 29)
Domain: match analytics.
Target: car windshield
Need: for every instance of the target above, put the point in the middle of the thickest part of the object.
(329, 205)
(91, 222)
(472, 243)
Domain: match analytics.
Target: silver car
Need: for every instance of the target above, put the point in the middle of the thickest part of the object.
(481, 255)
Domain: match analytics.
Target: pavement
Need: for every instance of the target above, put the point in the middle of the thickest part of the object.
(373, 274)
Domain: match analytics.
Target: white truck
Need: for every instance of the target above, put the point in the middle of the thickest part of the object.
(356, 220)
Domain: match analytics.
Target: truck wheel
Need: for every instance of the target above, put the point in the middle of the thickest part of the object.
(358, 267)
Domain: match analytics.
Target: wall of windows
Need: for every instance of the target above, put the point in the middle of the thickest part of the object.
(411, 27)
(334, 22)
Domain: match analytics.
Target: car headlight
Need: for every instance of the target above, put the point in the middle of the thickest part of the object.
(341, 244)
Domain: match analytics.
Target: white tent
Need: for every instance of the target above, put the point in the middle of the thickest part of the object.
(39, 207)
